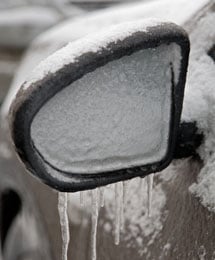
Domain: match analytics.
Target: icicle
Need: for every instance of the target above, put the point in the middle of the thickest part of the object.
(82, 198)
(122, 205)
(124, 199)
(141, 190)
(118, 204)
(149, 192)
(102, 197)
(64, 222)
(125, 188)
(94, 222)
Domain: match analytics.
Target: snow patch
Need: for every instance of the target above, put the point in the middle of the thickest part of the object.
(199, 105)
(90, 43)
(202, 253)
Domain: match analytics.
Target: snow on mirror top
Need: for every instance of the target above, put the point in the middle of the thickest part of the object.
(115, 117)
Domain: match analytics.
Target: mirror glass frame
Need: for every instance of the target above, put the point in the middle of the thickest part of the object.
(29, 102)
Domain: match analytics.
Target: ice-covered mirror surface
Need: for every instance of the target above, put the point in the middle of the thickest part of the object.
(117, 116)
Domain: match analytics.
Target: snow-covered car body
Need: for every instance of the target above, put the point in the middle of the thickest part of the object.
(180, 227)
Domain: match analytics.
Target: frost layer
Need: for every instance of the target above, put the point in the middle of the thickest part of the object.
(110, 118)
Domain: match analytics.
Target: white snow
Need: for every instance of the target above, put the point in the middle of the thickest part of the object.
(90, 43)
(199, 105)
(64, 222)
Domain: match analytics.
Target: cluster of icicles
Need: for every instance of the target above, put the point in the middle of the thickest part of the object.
(98, 200)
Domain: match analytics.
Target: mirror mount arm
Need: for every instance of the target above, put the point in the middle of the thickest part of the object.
(188, 140)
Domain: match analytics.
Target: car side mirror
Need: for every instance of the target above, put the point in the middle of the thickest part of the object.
(105, 108)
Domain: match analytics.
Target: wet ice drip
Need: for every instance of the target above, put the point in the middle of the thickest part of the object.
(141, 187)
(124, 199)
(150, 179)
(82, 198)
(119, 210)
(125, 188)
(94, 223)
(64, 222)
(102, 197)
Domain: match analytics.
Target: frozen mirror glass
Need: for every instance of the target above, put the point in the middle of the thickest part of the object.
(115, 117)
(105, 113)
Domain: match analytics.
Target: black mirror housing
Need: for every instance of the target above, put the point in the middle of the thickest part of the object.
(39, 90)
